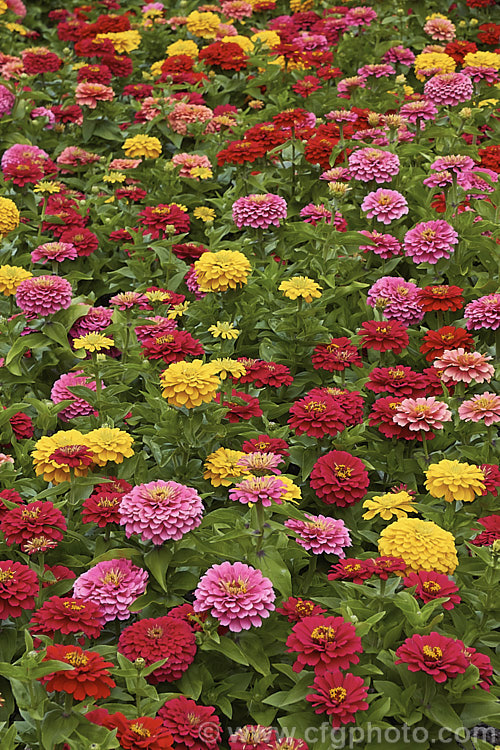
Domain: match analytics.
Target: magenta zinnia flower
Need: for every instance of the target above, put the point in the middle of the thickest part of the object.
(420, 110)
(453, 163)
(385, 205)
(483, 313)
(459, 366)
(236, 594)
(449, 89)
(321, 534)
(261, 490)
(259, 210)
(397, 299)
(160, 511)
(421, 414)
(429, 241)
(484, 406)
(78, 406)
(338, 695)
(43, 295)
(113, 585)
(54, 251)
(367, 164)
(386, 246)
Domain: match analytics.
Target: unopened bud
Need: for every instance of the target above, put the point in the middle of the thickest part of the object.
(465, 113)
(394, 122)
(473, 22)
(401, 79)
(338, 189)
(495, 547)
(140, 663)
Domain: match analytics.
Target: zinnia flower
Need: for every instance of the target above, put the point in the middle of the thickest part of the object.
(93, 342)
(300, 286)
(324, 643)
(435, 343)
(160, 510)
(68, 615)
(423, 545)
(339, 478)
(384, 336)
(435, 654)
(36, 519)
(341, 696)
(337, 355)
(449, 89)
(368, 164)
(54, 251)
(421, 414)
(385, 205)
(483, 313)
(141, 145)
(89, 94)
(236, 594)
(259, 211)
(44, 295)
(296, 609)
(222, 270)
(252, 737)
(390, 504)
(222, 466)
(113, 585)
(89, 678)
(483, 406)
(11, 277)
(431, 585)
(144, 732)
(9, 214)
(192, 726)
(109, 444)
(459, 366)
(321, 534)
(352, 569)
(262, 490)
(429, 241)
(60, 392)
(454, 480)
(189, 384)
(18, 589)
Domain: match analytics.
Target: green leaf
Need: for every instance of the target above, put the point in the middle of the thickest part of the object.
(228, 648)
(443, 714)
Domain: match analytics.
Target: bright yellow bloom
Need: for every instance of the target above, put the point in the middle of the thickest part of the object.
(436, 15)
(438, 62)
(224, 330)
(423, 545)
(47, 445)
(225, 366)
(267, 39)
(11, 277)
(3, 7)
(142, 145)
(9, 216)
(391, 504)
(22, 30)
(113, 177)
(123, 41)
(293, 493)
(203, 173)
(219, 271)
(300, 286)
(46, 186)
(177, 311)
(487, 103)
(155, 70)
(182, 47)
(204, 213)
(110, 444)
(93, 342)
(454, 480)
(482, 59)
(244, 42)
(204, 25)
(221, 467)
(301, 6)
(189, 383)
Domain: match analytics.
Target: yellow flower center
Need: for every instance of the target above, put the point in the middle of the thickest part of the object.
(433, 653)
(74, 606)
(234, 586)
(140, 729)
(324, 634)
(6, 575)
(432, 587)
(315, 406)
(428, 234)
(338, 694)
(342, 471)
(30, 514)
(113, 576)
(396, 373)
(76, 659)
(304, 608)
(155, 632)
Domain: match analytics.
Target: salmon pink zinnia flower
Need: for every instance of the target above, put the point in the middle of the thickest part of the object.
(421, 414)
(43, 295)
(459, 366)
(483, 406)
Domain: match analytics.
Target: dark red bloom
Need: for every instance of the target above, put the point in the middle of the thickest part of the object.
(155, 219)
(458, 48)
(237, 410)
(189, 251)
(132, 193)
(265, 444)
(490, 157)
(351, 402)
(262, 373)
(40, 61)
(156, 638)
(387, 565)
(317, 416)
(90, 677)
(74, 456)
(239, 152)
(352, 569)
(225, 55)
(489, 33)
(36, 519)
(324, 643)
(67, 615)
(23, 173)
(307, 86)
(22, 426)
(491, 531)
(384, 336)
(339, 478)
(431, 585)
(336, 356)
(491, 478)
(102, 509)
(59, 572)
(193, 727)
(441, 297)
(71, 113)
(434, 343)
(143, 733)
(296, 609)
(94, 74)
(120, 65)
(341, 696)
(186, 613)
(482, 662)
(112, 485)
(18, 588)
(173, 346)
(12, 496)
(140, 91)
(381, 416)
(435, 654)
(399, 380)
(85, 241)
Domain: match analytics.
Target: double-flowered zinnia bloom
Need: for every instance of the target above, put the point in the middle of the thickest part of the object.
(45, 448)
(384, 336)
(339, 478)
(300, 286)
(38, 521)
(43, 295)
(429, 241)
(222, 270)
(483, 313)
(459, 366)
(368, 164)
(112, 584)
(109, 444)
(259, 490)
(449, 89)
(192, 726)
(259, 210)
(69, 616)
(338, 695)
(18, 588)
(390, 504)
(321, 534)
(483, 406)
(9, 216)
(324, 643)
(189, 384)
(438, 656)
(89, 678)
(142, 145)
(454, 480)
(421, 414)
(430, 585)
(423, 545)
(385, 205)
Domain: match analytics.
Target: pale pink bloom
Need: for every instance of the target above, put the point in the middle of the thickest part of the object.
(418, 111)
(313, 214)
(341, 115)
(5, 459)
(385, 245)
(308, 41)
(89, 94)
(44, 295)
(237, 9)
(78, 406)
(112, 584)
(160, 511)
(440, 29)
(152, 6)
(483, 406)
(259, 210)
(54, 251)
(449, 89)
(321, 534)
(347, 85)
(483, 313)
(188, 162)
(74, 156)
(375, 136)
(225, 29)
(184, 114)
(150, 108)
(261, 461)
(454, 163)
(236, 594)
(128, 300)
(367, 164)
(439, 179)
(421, 414)
(429, 241)
(124, 163)
(17, 7)
(473, 181)
(335, 174)
(7, 99)
(157, 326)
(361, 15)
(385, 205)
(459, 366)
(378, 70)
(260, 490)
(12, 68)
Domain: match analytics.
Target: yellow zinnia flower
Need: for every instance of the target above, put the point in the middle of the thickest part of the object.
(267, 38)
(244, 42)
(9, 216)
(47, 445)
(224, 330)
(123, 41)
(300, 286)
(293, 493)
(225, 366)
(204, 213)
(438, 62)
(189, 383)
(454, 480)
(182, 47)
(219, 271)
(93, 342)
(11, 277)
(46, 186)
(204, 25)
(142, 145)
(391, 504)
(221, 467)
(113, 177)
(423, 545)
(482, 59)
(110, 444)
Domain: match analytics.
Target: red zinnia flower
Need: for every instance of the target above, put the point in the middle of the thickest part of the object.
(12, 496)
(39, 518)
(381, 416)
(143, 733)
(491, 478)
(59, 572)
(387, 564)
(18, 589)
(350, 402)
(441, 297)
(439, 656)
(296, 609)
(482, 662)
(226, 55)
(74, 456)
(325, 643)
(431, 585)
(102, 508)
(265, 444)
(491, 531)
(316, 416)
(262, 373)
(186, 613)
(459, 48)
(156, 638)
(336, 356)
(339, 478)
(352, 569)
(490, 157)
(239, 152)
(238, 411)
(155, 219)
(447, 337)
(193, 727)
(173, 346)
(85, 241)
(399, 380)
(90, 677)
(384, 336)
(22, 426)
(339, 695)
(67, 615)
(189, 251)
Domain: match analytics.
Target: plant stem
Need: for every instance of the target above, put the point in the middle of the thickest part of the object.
(259, 508)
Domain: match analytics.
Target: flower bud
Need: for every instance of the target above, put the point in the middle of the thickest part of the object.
(465, 113)
(140, 663)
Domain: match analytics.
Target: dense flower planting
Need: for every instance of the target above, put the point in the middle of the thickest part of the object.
(249, 341)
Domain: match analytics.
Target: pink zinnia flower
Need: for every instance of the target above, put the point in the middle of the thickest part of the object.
(259, 461)
(361, 15)
(399, 54)
(321, 534)
(20, 152)
(421, 414)
(397, 299)
(479, 73)
(78, 406)
(184, 114)
(54, 251)
(423, 109)
(449, 89)
(259, 210)
(440, 29)
(236, 594)
(128, 300)
(43, 295)
(90, 93)
(261, 490)
(384, 245)
(483, 313)
(459, 366)
(7, 100)
(367, 164)
(160, 511)
(113, 585)
(483, 406)
(385, 205)
(429, 241)
(313, 214)
(252, 737)
(340, 116)
(453, 163)
(378, 70)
